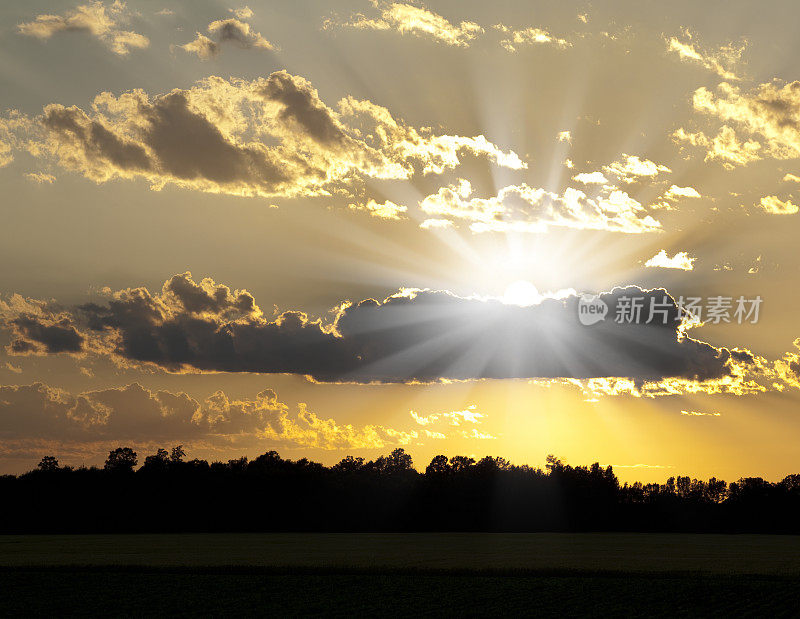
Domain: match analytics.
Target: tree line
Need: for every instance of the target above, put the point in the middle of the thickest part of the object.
(171, 493)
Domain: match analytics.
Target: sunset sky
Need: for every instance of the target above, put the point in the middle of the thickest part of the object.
(332, 228)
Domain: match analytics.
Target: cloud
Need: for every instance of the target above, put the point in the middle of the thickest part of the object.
(41, 178)
(454, 418)
(769, 114)
(226, 31)
(416, 20)
(675, 192)
(477, 434)
(564, 136)
(673, 195)
(699, 414)
(633, 169)
(244, 12)
(387, 210)
(791, 178)
(724, 147)
(6, 156)
(267, 137)
(96, 19)
(432, 224)
(524, 208)
(528, 36)
(774, 206)
(591, 178)
(715, 62)
(414, 335)
(747, 374)
(134, 413)
(680, 260)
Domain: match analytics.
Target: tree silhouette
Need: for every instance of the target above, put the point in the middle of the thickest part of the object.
(121, 459)
(271, 493)
(48, 463)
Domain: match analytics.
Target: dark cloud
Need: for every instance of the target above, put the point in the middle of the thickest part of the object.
(301, 104)
(423, 336)
(98, 143)
(53, 337)
(187, 146)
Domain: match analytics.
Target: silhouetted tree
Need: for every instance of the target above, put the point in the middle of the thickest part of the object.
(121, 459)
(270, 493)
(158, 462)
(349, 464)
(438, 466)
(48, 463)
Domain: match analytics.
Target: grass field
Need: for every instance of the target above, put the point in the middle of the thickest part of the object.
(400, 574)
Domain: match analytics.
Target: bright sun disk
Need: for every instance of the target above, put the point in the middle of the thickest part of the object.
(522, 293)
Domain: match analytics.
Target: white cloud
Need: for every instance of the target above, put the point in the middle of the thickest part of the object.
(774, 206)
(680, 260)
(528, 209)
(386, 210)
(676, 192)
(633, 168)
(591, 178)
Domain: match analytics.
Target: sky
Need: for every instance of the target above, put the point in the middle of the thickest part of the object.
(456, 227)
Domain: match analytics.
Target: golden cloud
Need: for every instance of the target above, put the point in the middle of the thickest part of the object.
(95, 19)
(271, 136)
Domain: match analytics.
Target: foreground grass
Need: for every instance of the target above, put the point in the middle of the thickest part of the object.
(724, 554)
(400, 574)
(208, 592)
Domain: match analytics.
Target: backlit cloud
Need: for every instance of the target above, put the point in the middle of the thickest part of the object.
(271, 136)
(681, 260)
(414, 335)
(631, 168)
(768, 117)
(95, 19)
(515, 39)
(524, 208)
(134, 413)
(717, 62)
(774, 206)
(385, 210)
(591, 178)
(226, 31)
(454, 418)
(724, 147)
(410, 19)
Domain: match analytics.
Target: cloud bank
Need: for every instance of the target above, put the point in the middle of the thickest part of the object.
(414, 335)
(134, 413)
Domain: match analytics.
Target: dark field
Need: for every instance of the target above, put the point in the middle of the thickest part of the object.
(403, 574)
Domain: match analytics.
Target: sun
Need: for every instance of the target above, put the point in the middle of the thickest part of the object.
(522, 293)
